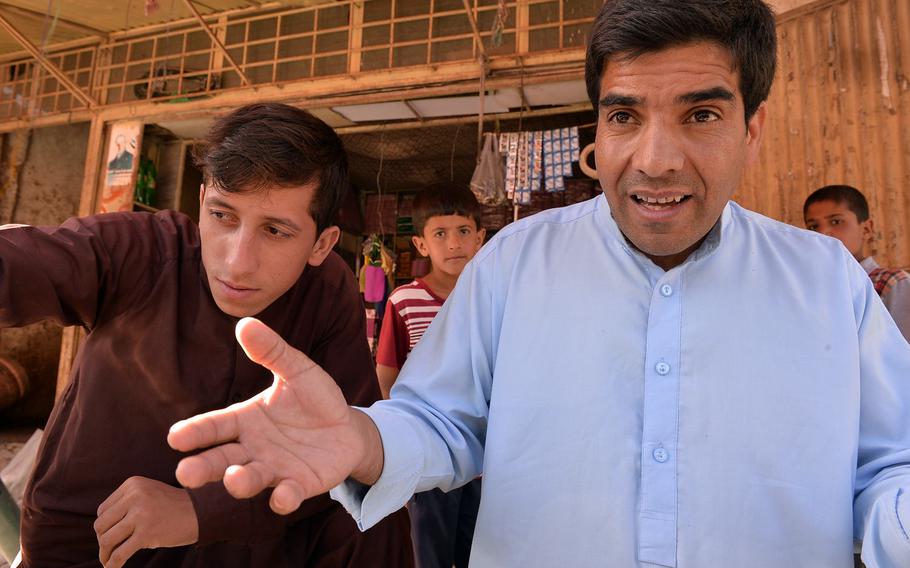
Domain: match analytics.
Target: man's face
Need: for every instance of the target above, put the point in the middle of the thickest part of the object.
(672, 143)
(835, 219)
(255, 245)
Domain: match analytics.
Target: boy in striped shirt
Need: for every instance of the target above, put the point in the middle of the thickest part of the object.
(446, 218)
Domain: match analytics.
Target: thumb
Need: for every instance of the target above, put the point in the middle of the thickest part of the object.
(265, 347)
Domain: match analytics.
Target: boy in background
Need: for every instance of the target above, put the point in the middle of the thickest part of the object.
(447, 221)
(842, 212)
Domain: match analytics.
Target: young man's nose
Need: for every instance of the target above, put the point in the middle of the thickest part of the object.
(657, 151)
(241, 256)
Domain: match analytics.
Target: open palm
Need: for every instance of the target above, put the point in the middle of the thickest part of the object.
(298, 436)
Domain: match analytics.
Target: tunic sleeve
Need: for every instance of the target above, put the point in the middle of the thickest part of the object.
(882, 488)
(74, 273)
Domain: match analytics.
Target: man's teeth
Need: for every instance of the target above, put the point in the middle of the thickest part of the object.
(660, 200)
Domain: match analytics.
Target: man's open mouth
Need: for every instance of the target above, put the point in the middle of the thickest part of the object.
(659, 203)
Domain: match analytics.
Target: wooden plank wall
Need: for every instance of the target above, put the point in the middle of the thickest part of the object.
(839, 112)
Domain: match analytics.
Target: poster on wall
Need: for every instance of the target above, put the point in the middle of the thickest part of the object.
(122, 163)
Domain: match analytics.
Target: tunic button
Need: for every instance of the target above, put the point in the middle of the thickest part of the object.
(660, 455)
(662, 368)
(666, 290)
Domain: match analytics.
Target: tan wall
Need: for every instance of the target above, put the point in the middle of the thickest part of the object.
(44, 191)
(839, 112)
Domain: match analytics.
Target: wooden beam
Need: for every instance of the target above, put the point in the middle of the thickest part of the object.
(438, 80)
(51, 68)
(411, 124)
(477, 39)
(216, 41)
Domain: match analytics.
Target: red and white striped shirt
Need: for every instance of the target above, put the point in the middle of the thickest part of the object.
(408, 314)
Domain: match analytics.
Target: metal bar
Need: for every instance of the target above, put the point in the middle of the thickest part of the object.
(216, 41)
(51, 68)
(477, 38)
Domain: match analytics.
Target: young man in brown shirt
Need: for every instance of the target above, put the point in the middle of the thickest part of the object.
(160, 297)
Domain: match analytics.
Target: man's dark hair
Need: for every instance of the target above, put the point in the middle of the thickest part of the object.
(270, 145)
(626, 29)
(845, 194)
(444, 198)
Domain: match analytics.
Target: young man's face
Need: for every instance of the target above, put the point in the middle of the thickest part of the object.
(450, 241)
(835, 219)
(255, 245)
(672, 144)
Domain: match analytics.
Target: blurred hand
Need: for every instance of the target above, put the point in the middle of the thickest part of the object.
(298, 436)
(144, 513)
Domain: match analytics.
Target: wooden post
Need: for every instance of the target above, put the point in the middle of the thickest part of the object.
(355, 39)
(73, 336)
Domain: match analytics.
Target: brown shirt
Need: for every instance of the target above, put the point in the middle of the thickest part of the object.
(159, 350)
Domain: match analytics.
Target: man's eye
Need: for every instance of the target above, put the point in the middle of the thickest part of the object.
(620, 117)
(276, 232)
(704, 116)
(835, 221)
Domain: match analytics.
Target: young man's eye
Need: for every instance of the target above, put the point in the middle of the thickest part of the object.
(836, 221)
(704, 115)
(439, 234)
(276, 232)
(220, 215)
(466, 232)
(812, 227)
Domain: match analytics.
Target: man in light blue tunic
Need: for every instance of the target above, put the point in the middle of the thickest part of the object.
(656, 377)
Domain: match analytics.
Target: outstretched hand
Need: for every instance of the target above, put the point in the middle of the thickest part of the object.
(299, 435)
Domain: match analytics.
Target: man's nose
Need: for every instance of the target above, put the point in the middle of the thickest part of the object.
(658, 152)
(241, 256)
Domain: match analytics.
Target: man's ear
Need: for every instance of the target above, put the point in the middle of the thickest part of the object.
(324, 245)
(481, 233)
(421, 245)
(201, 194)
(755, 128)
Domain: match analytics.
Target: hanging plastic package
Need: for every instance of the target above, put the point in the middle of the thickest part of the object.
(374, 290)
(488, 181)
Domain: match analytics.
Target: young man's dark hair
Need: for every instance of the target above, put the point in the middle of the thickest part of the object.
(629, 28)
(273, 144)
(444, 198)
(846, 194)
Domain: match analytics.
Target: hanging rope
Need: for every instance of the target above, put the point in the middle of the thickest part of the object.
(499, 23)
(50, 27)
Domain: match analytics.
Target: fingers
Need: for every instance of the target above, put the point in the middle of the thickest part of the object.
(123, 552)
(248, 480)
(265, 347)
(210, 465)
(109, 517)
(204, 430)
(287, 497)
(110, 540)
